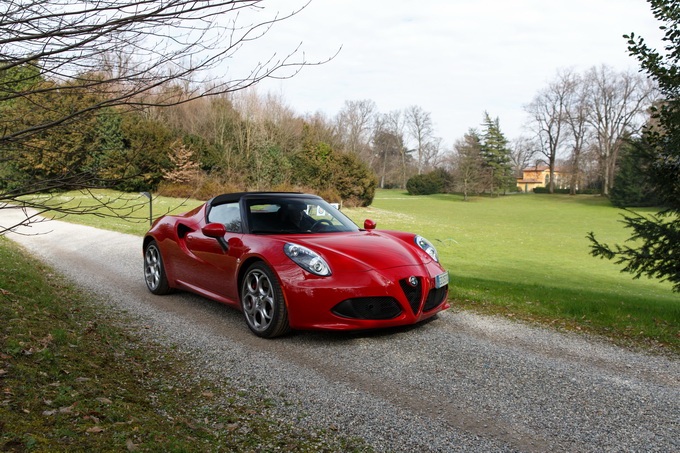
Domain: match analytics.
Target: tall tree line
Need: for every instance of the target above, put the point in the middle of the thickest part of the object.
(200, 148)
(396, 145)
(590, 116)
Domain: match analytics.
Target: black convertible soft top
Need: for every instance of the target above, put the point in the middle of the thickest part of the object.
(234, 197)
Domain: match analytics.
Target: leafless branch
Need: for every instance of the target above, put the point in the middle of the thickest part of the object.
(121, 53)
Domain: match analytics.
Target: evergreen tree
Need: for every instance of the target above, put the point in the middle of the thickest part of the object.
(656, 251)
(632, 187)
(469, 164)
(111, 137)
(60, 158)
(496, 156)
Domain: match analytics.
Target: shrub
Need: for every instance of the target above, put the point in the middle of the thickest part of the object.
(175, 190)
(330, 195)
(567, 191)
(444, 177)
(425, 184)
(212, 188)
(354, 181)
(422, 185)
(436, 181)
(322, 167)
(546, 190)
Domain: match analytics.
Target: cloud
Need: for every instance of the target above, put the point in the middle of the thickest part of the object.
(454, 58)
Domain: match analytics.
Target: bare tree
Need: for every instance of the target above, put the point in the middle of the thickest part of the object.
(523, 154)
(602, 106)
(576, 121)
(355, 123)
(389, 150)
(113, 53)
(419, 124)
(617, 104)
(432, 153)
(547, 112)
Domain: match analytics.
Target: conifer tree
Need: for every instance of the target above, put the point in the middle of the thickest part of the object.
(469, 164)
(656, 250)
(496, 156)
(632, 187)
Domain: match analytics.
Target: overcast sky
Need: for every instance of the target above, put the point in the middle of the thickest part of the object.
(454, 58)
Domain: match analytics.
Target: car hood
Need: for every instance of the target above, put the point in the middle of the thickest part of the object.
(362, 251)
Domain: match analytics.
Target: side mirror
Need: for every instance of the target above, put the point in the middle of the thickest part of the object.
(214, 230)
(369, 224)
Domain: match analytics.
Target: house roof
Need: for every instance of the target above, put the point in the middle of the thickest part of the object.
(541, 168)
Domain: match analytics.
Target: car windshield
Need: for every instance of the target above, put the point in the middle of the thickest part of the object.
(295, 216)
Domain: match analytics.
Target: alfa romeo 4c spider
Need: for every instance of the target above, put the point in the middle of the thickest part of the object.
(293, 261)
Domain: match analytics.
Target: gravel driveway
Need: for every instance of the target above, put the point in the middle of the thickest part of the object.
(459, 382)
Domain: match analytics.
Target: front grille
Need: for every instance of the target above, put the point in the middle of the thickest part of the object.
(375, 308)
(435, 298)
(413, 293)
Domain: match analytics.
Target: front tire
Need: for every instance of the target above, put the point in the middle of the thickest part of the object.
(262, 301)
(154, 270)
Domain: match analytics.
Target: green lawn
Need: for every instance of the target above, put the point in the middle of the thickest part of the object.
(527, 256)
(523, 256)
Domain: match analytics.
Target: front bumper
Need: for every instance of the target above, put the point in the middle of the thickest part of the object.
(362, 300)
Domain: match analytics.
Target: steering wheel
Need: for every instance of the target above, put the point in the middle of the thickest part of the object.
(320, 223)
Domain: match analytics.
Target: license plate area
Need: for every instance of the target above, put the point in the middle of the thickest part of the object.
(441, 280)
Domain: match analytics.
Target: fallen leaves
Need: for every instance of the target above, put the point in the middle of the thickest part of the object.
(67, 410)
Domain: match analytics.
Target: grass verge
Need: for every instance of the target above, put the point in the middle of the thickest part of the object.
(113, 210)
(73, 379)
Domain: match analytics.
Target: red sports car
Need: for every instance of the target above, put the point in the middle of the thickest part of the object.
(293, 261)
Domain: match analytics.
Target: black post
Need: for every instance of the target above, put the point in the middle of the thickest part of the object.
(148, 195)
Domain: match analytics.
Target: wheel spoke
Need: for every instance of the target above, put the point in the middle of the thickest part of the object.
(249, 305)
(266, 310)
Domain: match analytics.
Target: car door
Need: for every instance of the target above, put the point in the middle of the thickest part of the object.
(216, 259)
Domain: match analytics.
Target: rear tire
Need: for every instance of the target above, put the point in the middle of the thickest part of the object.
(262, 302)
(154, 270)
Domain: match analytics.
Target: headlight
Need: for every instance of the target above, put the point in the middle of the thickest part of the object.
(307, 259)
(427, 247)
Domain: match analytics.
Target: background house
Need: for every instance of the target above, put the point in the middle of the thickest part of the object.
(539, 176)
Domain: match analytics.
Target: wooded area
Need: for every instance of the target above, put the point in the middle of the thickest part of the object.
(115, 94)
